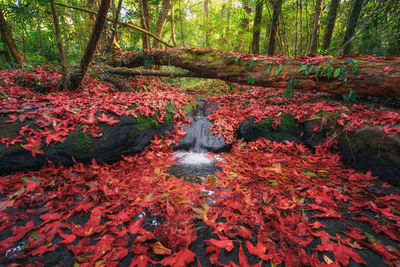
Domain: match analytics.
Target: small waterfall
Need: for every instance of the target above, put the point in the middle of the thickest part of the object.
(194, 162)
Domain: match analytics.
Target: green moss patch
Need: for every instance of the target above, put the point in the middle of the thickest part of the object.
(267, 131)
(80, 141)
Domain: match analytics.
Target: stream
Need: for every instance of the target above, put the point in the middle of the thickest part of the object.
(194, 159)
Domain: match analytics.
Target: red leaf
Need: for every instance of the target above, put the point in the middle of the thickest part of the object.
(32, 185)
(257, 250)
(67, 238)
(181, 258)
(226, 244)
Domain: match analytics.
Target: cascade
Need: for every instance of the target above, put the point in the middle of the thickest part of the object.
(194, 161)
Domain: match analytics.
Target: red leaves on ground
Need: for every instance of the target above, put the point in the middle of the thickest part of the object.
(341, 253)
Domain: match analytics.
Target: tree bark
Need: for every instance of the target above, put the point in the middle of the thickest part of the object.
(245, 21)
(115, 25)
(119, 23)
(274, 27)
(145, 20)
(161, 22)
(76, 78)
(255, 44)
(371, 78)
(332, 14)
(60, 43)
(351, 25)
(173, 23)
(315, 32)
(206, 21)
(9, 41)
(181, 23)
(39, 31)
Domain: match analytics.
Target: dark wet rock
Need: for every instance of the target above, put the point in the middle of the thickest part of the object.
(198, 135)
(369, 148)
(128, 136)
(366, 148)
(288, 130)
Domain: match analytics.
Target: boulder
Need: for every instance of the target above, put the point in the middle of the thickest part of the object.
(129, 135)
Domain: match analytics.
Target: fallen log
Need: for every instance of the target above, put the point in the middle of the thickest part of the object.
(366, 76)
(158, 73)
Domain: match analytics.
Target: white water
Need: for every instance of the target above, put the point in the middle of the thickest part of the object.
(193, 158)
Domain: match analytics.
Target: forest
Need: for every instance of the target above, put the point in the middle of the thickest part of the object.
(200, 133)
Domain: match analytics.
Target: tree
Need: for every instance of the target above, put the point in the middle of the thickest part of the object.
(315, 32)
(60, 43)
(206, 21)
(77, 77)
(332, 14)
(115, 25)
(277, 4)
(371, 78)
(161, 22)
(145, 20)
(255, 44)
(351, 25)
(173, 23)
(8, 39)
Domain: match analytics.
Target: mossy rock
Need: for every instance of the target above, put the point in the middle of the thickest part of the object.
(9, 129)
(287, 130)
(80, 141)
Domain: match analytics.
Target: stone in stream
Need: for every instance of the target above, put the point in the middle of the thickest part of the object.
(198, 136)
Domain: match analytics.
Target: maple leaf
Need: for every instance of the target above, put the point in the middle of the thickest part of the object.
(159, 249)
(258, 250)
(67, 238)
(140, 261)
(6, 204)
(341, 253)
(108, 120)
(226, 244)
(180, 259)
(32, 185)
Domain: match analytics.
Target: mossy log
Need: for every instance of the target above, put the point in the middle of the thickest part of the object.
(367, 77)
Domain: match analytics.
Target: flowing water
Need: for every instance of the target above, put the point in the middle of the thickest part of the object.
(194, 160)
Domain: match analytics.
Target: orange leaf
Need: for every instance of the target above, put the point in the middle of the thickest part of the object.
(159, 249)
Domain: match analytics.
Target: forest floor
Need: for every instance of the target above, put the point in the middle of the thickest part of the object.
(272, 204)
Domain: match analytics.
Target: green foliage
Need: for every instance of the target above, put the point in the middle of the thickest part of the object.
(278, 70)
(289, 92)
(251, 79)
(350, 97)
(266, 129)
(145, 123)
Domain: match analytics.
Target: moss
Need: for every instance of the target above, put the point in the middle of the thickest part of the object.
(189, 107)
(145, 123)
(266, 129)
(80, 141)
(9, 129)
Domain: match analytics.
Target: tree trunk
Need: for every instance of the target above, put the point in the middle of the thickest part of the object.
(115, 25)
(255, 44)
(39, 31)
(331, 24)
(245, 21)
(145, 20)
(372, 78)
(351, 25)
(60, 43)
(274, 27)
(173, 23)
(206, 21)
(9, 41)
(181, 23)
(161, 22)
(76, 78)
(315, 33)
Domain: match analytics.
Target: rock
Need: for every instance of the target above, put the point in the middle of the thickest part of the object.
(127, 136)
(369, 148)
(200, 139)
(198, 135)
(288, 130)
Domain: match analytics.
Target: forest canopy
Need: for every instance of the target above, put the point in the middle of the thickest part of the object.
(244, 26)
